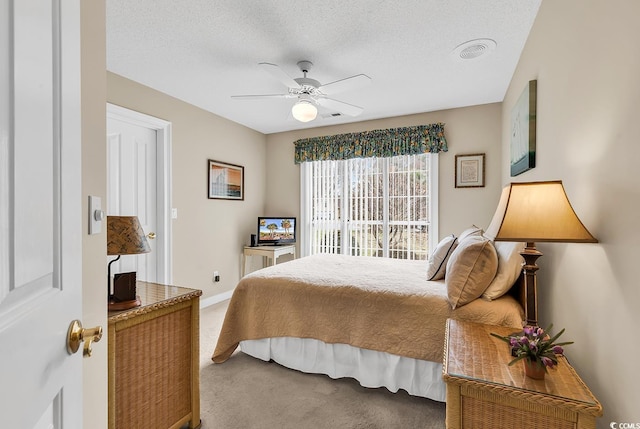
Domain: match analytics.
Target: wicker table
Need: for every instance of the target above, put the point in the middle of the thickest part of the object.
(484, 392)
(154, 379)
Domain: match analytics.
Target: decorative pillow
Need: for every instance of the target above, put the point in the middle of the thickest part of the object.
(509, 268)
(438, 261)
(469, 232)
(470, 269)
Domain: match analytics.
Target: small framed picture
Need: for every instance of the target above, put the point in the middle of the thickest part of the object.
(226, 181)
(470, 171)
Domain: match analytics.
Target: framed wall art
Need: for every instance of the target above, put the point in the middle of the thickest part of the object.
(523, 131)
(470, 171)
(225, 181)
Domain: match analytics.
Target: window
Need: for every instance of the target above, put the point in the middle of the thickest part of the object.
(383, 206)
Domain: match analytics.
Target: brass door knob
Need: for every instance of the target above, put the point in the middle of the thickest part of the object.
(151, 235)
(77, 334)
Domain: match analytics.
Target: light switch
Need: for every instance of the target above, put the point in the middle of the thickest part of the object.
(174, 213)
(96, 215)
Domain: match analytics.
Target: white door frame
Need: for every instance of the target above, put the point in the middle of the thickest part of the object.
(163, 189)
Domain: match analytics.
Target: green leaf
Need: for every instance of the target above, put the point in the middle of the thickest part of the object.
(517, 359)
(505, 339)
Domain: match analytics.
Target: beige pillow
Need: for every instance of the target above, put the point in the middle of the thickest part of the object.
(438, 261)
(509, 268)
(471, 231)
(470, 269)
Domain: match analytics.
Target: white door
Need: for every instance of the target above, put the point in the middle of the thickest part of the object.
(40, 213)
(132, 188)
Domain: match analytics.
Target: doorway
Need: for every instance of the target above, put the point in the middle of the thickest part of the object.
(139, 183)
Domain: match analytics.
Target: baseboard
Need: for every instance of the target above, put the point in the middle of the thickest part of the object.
(206, 302)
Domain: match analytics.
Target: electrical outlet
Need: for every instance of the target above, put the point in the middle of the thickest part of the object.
(216, 276)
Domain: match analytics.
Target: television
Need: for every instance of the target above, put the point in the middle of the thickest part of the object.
(274, 231)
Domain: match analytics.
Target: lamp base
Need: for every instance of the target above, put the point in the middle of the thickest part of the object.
(124, 305)
(530, 254)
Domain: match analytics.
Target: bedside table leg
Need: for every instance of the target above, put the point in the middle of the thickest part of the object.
(453, 407)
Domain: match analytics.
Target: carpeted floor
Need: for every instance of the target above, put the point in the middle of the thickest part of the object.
(248, 393)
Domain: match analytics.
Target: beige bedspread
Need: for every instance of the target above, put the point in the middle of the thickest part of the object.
(372, 303)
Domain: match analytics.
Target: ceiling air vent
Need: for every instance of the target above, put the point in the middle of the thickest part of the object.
(332, 115)
(473, 49)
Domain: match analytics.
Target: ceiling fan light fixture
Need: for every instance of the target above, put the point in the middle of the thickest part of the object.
(304, 111)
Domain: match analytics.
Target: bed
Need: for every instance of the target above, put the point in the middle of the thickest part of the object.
(377, 320)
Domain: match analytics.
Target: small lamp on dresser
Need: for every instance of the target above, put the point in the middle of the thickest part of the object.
(530, 212)
(124, 237)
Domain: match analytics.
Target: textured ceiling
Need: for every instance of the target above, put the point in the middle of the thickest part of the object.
(205, 51)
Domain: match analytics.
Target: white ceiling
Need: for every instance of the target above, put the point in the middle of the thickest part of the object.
(205, 51)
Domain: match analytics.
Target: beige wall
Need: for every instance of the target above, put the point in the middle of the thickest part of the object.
(585, 58)
(468, 130)
(208, 234)
(94, 247)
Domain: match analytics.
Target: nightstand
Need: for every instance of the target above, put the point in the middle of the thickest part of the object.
(483, 391)
(154, 352)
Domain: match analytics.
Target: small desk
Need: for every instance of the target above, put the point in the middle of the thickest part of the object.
(483, 391)
(271, 252)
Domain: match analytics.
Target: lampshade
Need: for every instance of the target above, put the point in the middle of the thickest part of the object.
(125, 236)
(537, 211)
(304, 111)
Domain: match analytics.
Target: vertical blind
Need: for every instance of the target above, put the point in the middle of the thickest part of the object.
(370, 206)
(370, 193)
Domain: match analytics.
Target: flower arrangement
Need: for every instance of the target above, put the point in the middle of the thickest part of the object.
(536, 346)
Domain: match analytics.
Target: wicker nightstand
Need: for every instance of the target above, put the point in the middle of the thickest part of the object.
(154, 352)
(484, 392)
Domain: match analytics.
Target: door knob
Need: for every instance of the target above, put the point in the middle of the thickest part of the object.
(77, 334)
(151, 235)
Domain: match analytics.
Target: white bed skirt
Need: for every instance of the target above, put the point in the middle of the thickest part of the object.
(371, 368)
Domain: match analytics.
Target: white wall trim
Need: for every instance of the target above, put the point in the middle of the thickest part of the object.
(212, 300)
(305, 210)
(164, 189)
(434, 186)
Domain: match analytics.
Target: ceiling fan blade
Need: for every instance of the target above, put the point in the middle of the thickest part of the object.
(346, 84)
(340, 106)
(279, 74)
(261, 96)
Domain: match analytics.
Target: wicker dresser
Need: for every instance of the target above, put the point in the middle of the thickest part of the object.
(484, 392)
(154, 379)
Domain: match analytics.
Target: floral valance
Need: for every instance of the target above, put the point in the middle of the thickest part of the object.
(376, 143)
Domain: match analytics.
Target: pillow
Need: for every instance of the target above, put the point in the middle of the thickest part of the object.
(469, 232)
(509, 268)
(470, 269)
(438, 261)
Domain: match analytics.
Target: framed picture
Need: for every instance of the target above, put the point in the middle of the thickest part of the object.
(470, 171)
(226, 181)
(523, 131)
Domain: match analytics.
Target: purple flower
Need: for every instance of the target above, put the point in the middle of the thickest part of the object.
(547, 362)
(534, 344)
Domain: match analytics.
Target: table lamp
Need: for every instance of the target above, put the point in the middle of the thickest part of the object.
(124, 237)
(530, 212)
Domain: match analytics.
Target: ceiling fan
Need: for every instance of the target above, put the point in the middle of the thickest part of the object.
(309, 92)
